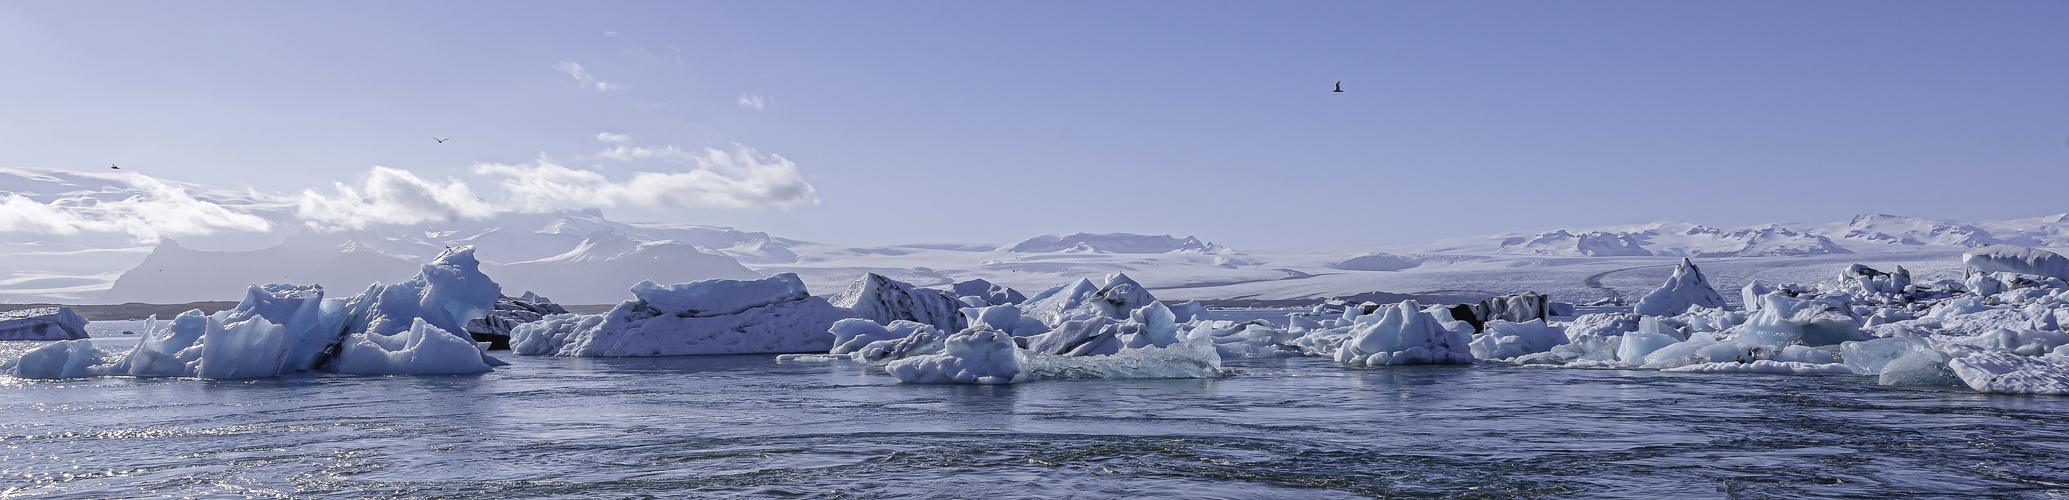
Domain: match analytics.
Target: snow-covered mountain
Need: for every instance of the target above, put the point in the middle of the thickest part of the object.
(1665, 238)
(1115, 243)
(2045, 231)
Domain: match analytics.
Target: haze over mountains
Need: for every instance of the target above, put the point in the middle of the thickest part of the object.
(204, 243)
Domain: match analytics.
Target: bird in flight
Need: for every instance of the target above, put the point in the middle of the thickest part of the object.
(441, 141)
(1339, 86)
(111, 165)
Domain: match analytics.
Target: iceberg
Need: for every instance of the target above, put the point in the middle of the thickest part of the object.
(62, 359)
(1766, 366)
(993, 294)
(2001, 371)
(1785, 320)
(1081, 299)
(770, 316)
(1196, 358)
(977, 356)
(1404, 335)
(2016, 259)
(1686, 287)
(42, 323)
(1504, 339)
(884, 300)
(421, 350)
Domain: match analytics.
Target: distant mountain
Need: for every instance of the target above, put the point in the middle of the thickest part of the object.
(1865, 233)
(606, 264)
(1115, 243)
(1884, 229)
(1665, 238)
(173, 274)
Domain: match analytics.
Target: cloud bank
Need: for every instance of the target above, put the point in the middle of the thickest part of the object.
(736, 178)
(152, 210)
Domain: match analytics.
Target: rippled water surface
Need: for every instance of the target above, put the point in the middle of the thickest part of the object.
(1293, 428)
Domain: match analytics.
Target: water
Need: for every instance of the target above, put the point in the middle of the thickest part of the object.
(1286, 428)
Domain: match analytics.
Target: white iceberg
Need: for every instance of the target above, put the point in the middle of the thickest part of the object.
(42, 323)
(1404, 335)
(1503, 339)
(772, 320)
(976, 356)
(2001, 371)
(884, 300)
(1686, 287)
(2017, 259)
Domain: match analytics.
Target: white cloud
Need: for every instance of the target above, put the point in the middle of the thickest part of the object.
(736, 178)
(756, 101)
(739, 178)
(641, 153)
(583, 76)
(152, 211)
(391, 196)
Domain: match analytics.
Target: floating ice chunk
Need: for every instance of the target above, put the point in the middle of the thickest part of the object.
(1196, 358)
(1404, 335)
(422, 350)
(2017, 259)
(2023, 343)
(1700, 348)
(1636, 345)
(1504, 339)
(921, 341)
(1686, 287)
(1766, 366)
(2001, 371)
(1802, 354)
(853, 334)
(63, 359)
(1919, 367)
(1189, 311)
(976, 356)
(1602, 325)
(42, 323)
(1867, 357)
(991, 294)
(1085, 337)
(884, 300)
(1786, 320)
(1005, 318)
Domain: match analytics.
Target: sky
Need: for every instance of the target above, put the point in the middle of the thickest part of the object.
(873, 123)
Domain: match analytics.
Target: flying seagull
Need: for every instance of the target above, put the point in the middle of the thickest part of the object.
(111, 165)
(1339, 86)
(441, 141)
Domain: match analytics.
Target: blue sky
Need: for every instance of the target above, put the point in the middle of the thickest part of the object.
(992, 122)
